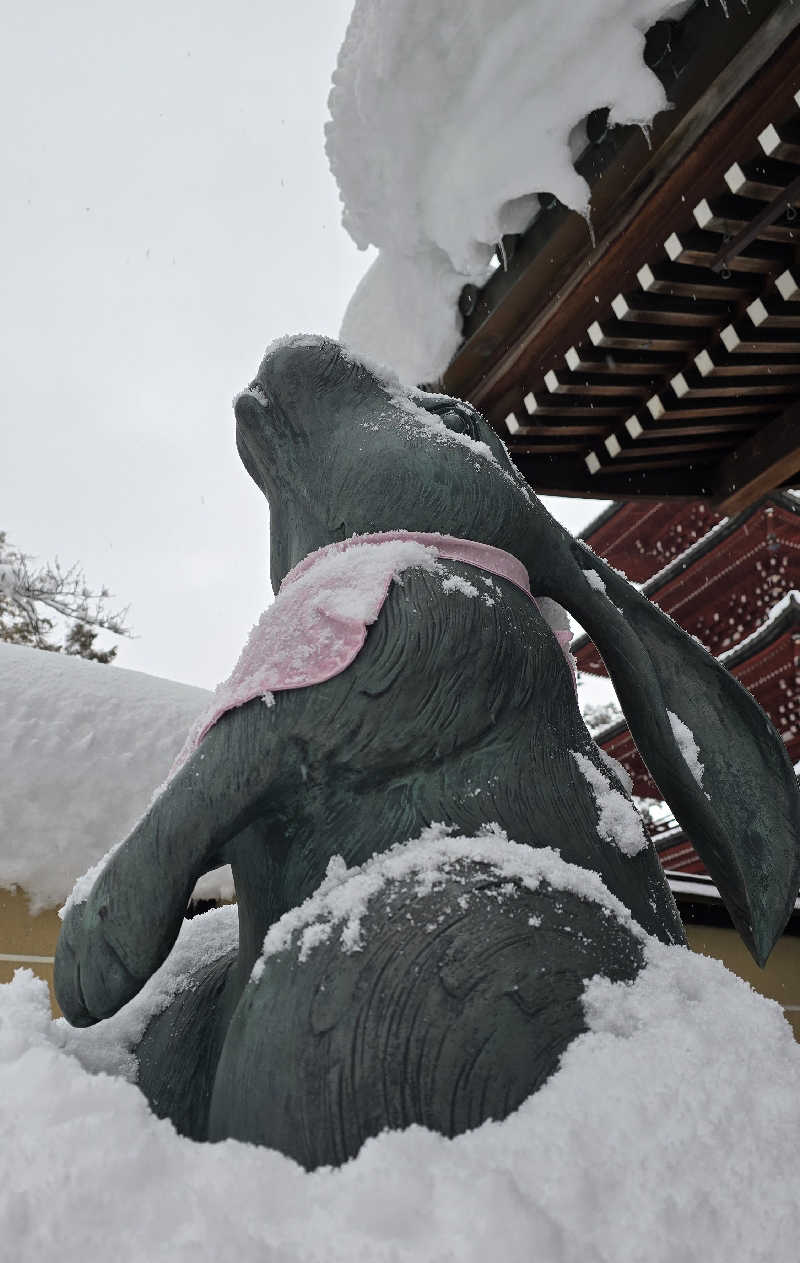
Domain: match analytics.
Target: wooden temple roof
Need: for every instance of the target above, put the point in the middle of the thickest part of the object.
(723, 586)
(656, 352)
(640, 537)
(732, 582)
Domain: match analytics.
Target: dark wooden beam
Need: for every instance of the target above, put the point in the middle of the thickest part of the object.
(765, 218)
(763, 462)
(564, 475)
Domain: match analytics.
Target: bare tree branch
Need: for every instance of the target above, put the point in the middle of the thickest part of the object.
(29, 593)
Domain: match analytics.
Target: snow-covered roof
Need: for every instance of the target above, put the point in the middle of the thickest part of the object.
(83, 746)
(679, 564)
(788, 605)
(726, 526)
(446, 121)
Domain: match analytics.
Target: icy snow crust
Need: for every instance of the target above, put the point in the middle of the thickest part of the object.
(83, 745)
(446, 120)
(669, 1131)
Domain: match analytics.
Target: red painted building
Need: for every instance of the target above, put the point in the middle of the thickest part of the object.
(734, 583)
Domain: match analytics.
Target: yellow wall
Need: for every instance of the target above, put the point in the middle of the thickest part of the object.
(27, 940)
(780, 980)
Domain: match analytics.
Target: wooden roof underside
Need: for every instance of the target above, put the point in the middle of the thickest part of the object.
(663, 361)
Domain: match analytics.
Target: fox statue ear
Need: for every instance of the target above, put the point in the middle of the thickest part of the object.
(708, 745)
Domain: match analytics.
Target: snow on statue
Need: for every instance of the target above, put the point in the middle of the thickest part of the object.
(431, 855)
(520, 938)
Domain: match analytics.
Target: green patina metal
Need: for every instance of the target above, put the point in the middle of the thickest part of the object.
(455, 711)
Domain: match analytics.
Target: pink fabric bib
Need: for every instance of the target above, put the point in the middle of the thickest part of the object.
(318, 622)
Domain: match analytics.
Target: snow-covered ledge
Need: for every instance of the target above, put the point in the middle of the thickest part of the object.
(83, 747)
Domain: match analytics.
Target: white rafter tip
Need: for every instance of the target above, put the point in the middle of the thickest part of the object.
(673, 246)
(680, 385)
(787, 286)
(634, 427)
(612, 445)
(572, 359)
(595, 333)
(512, 424)
(530, 403)
(797, 99)
(757, 312)
(734, 177)
(592, 462)
(730, 338)
(769, 140)
(704, 363)
(655, 407)
(551, 381)
(645, 277)
(619, 306)
(702, 213)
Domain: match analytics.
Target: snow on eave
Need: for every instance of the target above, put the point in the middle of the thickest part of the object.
(669, 837)
(446, 123)
(613, 730)
(727, 526)
(701, 885)
(767, 630)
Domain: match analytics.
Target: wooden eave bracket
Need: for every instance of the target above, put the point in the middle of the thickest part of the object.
(763, 462)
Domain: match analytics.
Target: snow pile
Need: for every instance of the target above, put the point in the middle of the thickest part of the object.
(82, 747)
(668, 1132)
(446, 120)
(107, 1048)
(618, 821)
(435, 856)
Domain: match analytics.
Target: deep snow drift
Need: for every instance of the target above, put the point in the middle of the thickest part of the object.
(446, 121)
(669, 1131)
(83, 747)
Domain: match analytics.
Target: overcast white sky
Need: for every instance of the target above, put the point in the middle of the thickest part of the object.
(167, 211)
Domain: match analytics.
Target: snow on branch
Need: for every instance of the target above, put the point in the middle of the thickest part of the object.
(31, 593)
